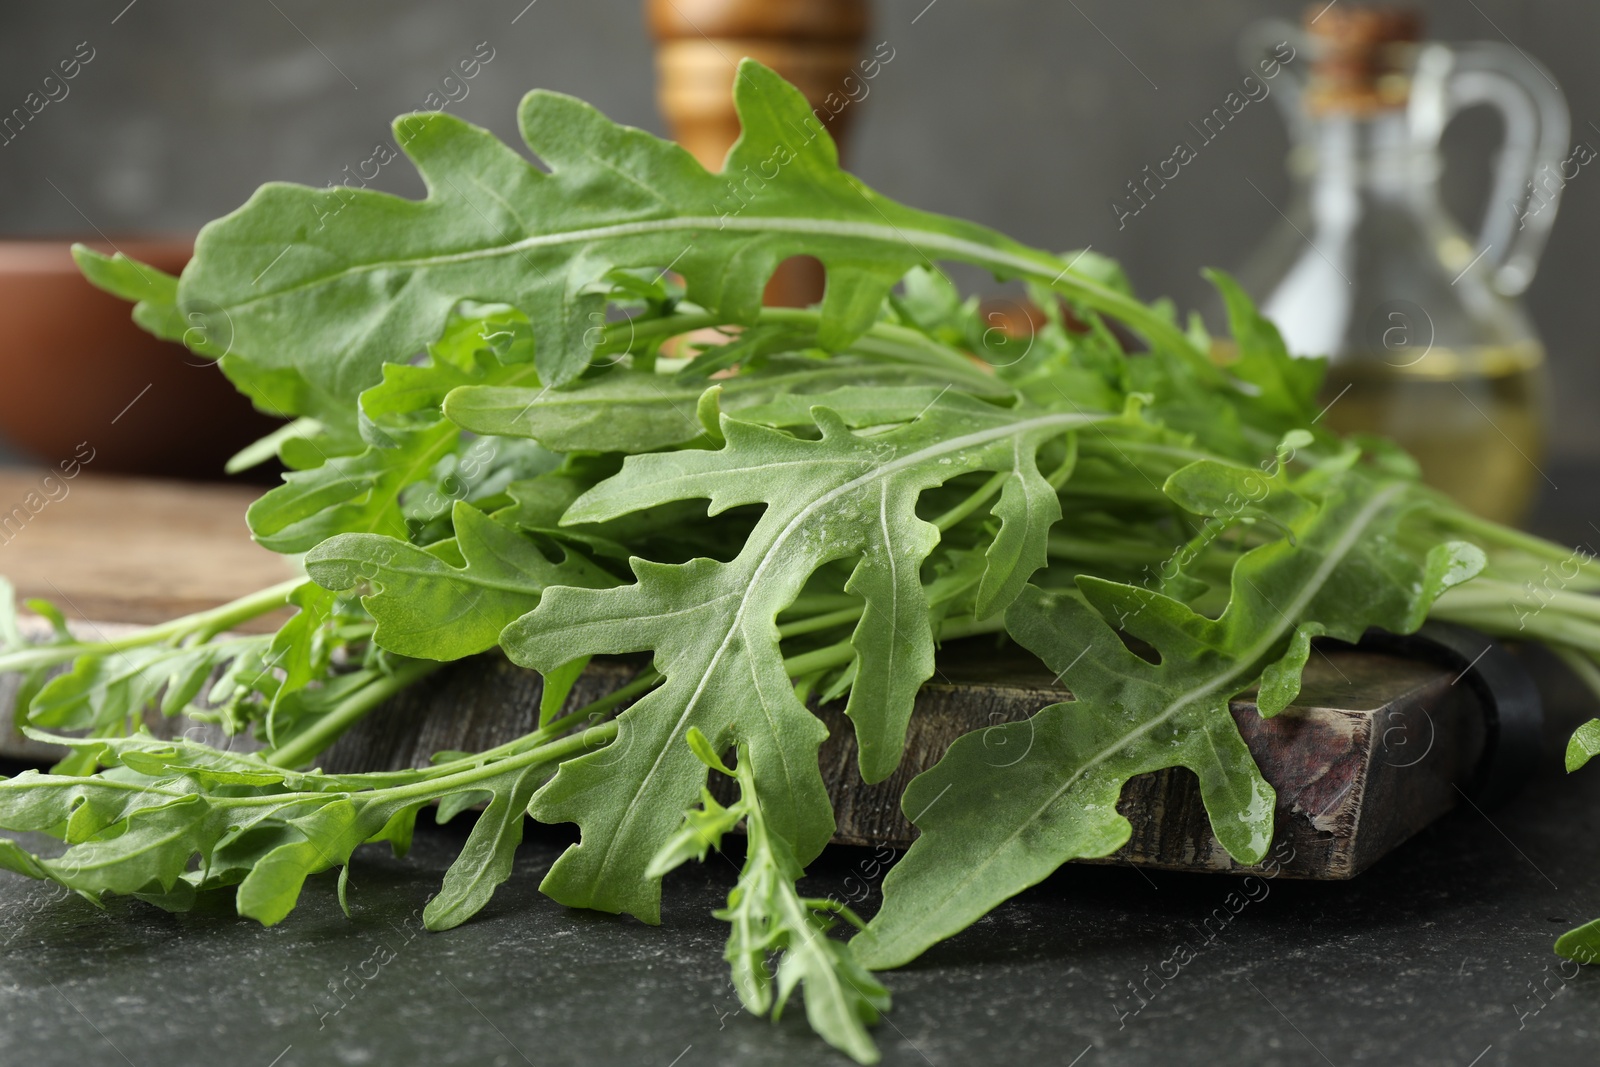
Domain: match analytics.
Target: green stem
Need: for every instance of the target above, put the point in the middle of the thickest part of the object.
(1502, 620)
(817, 603)
(973, 501)
(951, 629)
(326, 730)
(554, 751)
(1493, 593)
(820, 659)
(436, 785)
(1085, 550)
(553, 729)
(209, 622)
(842, 652)
(913, 346)
(1505, 537)
(821, 622)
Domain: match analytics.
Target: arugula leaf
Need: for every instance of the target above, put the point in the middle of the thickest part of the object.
(428, 606)
(109, 692)
(332, 283)
(207, 331)
(486, 859)
(1583, 745)
(166, 669)
(135, 829)
(1284, 385)
(1582, 943)
(14, 645)
(712, 625)
(766, 914)
(988, 831)
(154, 294)
(409, 439)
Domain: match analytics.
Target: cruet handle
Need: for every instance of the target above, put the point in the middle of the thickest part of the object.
(1257, 51)
(1533, 164)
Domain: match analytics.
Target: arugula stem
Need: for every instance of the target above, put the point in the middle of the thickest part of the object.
(841, 652)
(1093, 551)
(821, 622)
(209, 622)
(973, 501)
(820, 659)
(436, 785)
(1505, 537)
(554, 751)
(556, 727)
(1493, 593)
(806, 605)
(361, 781)
(951, 629)
(1503, 620)
(326, 730)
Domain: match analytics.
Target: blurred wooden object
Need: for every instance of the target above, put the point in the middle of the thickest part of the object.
(813, 43)
(130, 550)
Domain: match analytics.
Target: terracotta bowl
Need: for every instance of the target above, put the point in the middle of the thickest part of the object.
(75, 370)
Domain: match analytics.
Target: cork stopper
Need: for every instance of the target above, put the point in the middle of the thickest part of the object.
(1362, 57)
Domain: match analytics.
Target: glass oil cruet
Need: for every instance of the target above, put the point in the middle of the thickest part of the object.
(1428, 342)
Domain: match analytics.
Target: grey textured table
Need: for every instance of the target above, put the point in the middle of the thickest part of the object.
(1438, 955)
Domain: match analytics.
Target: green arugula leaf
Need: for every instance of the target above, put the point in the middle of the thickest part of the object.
(154, 294)
(138, 827)
(1284, 385)
(712, 626)
(428, 607)
(206, 330)
(332, 283)
(766, 914)
(990, 831)
(486, 859)
(409, 439)
(109, 692)
(1583, 744)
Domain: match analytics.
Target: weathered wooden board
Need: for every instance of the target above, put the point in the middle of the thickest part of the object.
(1372, 752)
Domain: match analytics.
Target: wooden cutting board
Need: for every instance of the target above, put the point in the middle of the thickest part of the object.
(1377, 746)
(115, 549)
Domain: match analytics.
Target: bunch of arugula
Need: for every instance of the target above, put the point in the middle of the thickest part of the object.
(609, 446)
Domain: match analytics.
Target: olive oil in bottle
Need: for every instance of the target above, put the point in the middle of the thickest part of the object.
(1471, 418)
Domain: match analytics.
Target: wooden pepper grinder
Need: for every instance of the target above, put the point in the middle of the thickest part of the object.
(813, 43)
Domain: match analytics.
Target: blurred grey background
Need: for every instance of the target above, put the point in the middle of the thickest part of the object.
(1026, 115)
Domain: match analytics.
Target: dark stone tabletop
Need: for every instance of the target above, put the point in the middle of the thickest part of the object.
(1438, 955)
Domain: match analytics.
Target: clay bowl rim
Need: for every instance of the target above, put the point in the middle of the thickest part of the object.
(46, 255)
